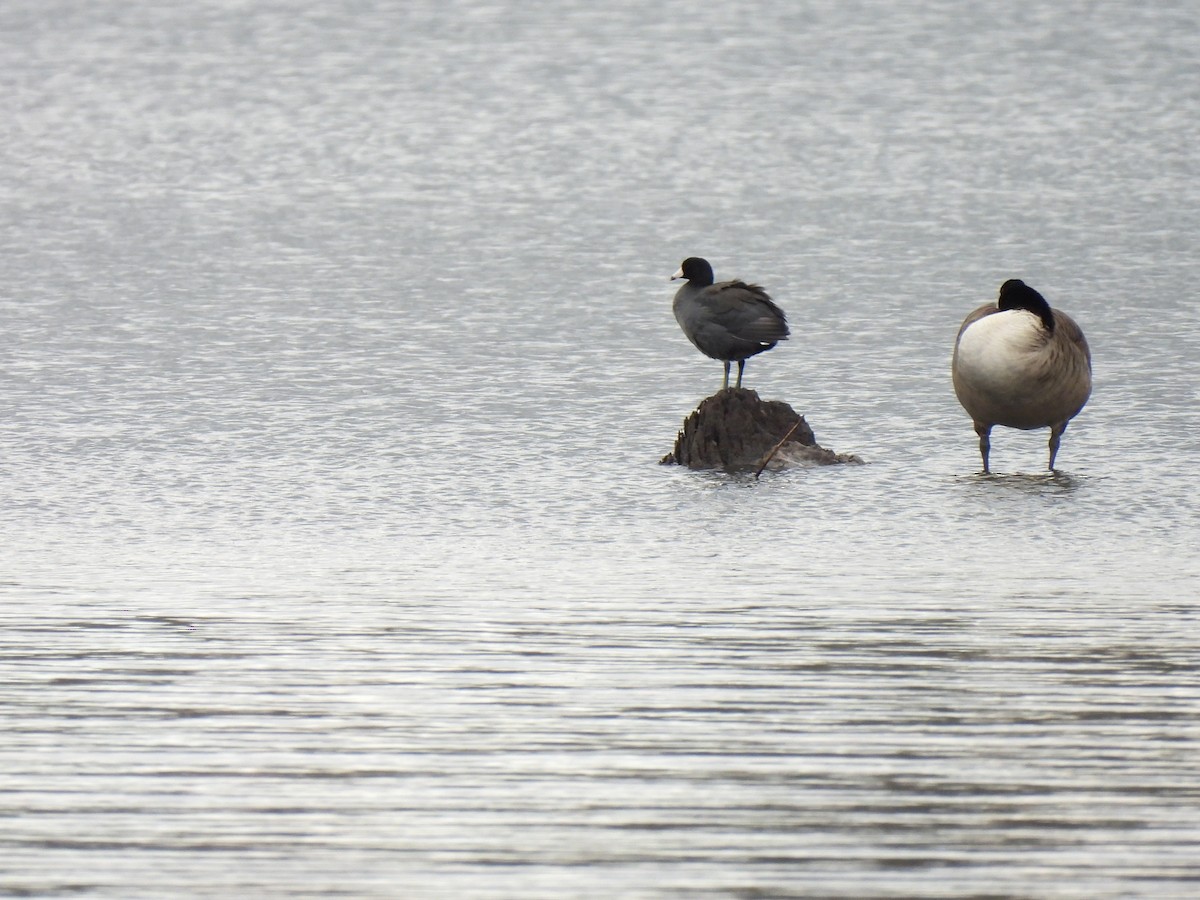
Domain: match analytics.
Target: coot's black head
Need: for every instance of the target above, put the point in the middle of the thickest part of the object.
(695, 270)
(1016, 294)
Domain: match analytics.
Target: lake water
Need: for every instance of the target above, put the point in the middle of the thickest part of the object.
(336, 363)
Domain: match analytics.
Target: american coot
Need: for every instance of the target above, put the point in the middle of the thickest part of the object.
(1020, 364)
(728, 321)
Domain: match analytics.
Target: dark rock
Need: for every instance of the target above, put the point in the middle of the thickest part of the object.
(735, 430)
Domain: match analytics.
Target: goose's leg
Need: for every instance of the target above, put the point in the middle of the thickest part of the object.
(741, 369)
(725, 385)
(985, 444)
(1056, 433)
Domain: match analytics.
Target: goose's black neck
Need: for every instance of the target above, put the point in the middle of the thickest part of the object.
(1016, 294)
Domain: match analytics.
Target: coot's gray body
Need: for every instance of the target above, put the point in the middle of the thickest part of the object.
(1021, 364)
(730, 320)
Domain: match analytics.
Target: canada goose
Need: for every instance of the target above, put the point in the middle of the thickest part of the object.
(728, 321)
(1020, 364)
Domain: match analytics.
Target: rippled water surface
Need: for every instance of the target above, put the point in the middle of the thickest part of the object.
(336, 362)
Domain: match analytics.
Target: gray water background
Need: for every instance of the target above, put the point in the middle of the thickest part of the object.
(336, 362)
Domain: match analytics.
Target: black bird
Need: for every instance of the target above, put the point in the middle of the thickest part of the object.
(729, 320)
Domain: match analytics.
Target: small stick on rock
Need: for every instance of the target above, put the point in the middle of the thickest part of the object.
(775, 449)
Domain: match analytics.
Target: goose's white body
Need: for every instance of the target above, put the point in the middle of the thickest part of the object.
(1011, 369)
(999, 359)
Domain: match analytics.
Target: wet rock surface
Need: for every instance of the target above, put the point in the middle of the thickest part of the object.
(736, 430)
